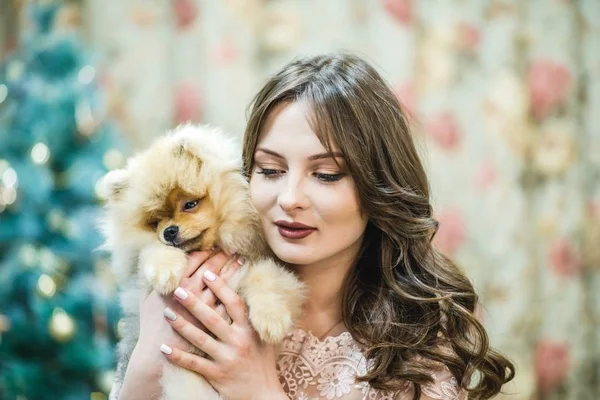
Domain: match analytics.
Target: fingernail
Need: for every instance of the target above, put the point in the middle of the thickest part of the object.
(242, 260)
(166, 349)
(181, 294)
(170, 314)
(209, 275)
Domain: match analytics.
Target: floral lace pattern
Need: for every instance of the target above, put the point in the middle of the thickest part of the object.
(314, 369)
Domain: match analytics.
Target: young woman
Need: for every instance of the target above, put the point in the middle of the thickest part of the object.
(344, 202)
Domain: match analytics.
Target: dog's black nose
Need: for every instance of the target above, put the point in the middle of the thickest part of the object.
(171, 233)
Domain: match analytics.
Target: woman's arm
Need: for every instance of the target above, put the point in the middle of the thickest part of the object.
(142, 379)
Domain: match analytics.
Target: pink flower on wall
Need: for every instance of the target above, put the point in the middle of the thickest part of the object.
(594, 208)
(485, 176)
(552, 364)
(185, 11)
(188, 103)
(564, 259)
(444, 131)
(401, 10)
(407, 96)
(469, 36)
(549, 83)
(452, 231)
(225, 52)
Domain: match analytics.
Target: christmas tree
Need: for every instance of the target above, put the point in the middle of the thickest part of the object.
(58, 311)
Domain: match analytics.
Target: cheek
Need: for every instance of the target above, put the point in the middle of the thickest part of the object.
(339, 206)
(260, 196)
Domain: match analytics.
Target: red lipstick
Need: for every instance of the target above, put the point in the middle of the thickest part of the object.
(293, 230)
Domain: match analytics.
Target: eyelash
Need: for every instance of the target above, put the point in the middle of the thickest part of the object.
(274, 174)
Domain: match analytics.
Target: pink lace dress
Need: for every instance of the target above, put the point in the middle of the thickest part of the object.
(314, 369)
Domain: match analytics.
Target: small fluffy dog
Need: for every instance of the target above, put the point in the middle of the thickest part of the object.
(185, 193)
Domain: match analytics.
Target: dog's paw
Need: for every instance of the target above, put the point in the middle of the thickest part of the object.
(164, 269)
(164, 280)
(271, 322)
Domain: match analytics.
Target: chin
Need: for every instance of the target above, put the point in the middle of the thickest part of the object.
(293, 253)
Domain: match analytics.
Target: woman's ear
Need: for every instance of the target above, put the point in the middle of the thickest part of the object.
(114, 183)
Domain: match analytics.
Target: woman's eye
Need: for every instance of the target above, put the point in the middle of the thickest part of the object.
(269, 173)
(189, 205)
(328, 177)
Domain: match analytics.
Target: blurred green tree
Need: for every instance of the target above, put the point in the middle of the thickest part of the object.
(58, 310)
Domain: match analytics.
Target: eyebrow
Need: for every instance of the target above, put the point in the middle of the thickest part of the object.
(319, 156)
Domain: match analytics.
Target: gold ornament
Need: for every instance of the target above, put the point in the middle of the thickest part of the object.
(4, 323)
(105, 380)
(46, 286)
(61, 326)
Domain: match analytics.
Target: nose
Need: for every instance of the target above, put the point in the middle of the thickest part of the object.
(293, 196)
(171, 233)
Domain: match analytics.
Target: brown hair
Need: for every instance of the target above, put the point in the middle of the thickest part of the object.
(403, 301)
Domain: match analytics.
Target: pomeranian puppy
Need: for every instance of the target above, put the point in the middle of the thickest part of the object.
(184, 193)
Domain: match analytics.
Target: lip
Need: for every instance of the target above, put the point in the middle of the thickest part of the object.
(292, 225)
(293, 230)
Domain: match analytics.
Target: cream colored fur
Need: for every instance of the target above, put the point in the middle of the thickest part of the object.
(202, 161)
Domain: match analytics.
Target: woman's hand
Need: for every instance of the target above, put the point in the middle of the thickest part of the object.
(145, 365)
(237, 365)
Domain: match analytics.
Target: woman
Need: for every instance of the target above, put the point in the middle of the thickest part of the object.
(344, 202)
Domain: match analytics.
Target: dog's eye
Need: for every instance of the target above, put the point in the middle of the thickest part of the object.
(190, 205)
(153, 224)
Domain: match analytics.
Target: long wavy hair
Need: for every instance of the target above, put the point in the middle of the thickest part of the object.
(404, 302)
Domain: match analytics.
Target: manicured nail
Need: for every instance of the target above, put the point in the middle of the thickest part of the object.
(209, 275)
(166, 349)
(241, 260)
(180, 293)
(170, 314)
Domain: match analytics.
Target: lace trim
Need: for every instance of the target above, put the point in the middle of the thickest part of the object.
(327, 370)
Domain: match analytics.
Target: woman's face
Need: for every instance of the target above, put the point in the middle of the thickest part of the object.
(294, 182)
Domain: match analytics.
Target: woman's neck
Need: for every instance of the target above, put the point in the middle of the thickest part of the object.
(322, 312)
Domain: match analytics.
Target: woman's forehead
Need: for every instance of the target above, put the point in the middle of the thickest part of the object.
(289, 127)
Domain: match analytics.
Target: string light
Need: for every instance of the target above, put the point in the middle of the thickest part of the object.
(46, 286)
(86, 75)
(3, 93)
(40, 153)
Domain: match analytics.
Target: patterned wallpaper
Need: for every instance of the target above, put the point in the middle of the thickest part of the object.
(504, 97)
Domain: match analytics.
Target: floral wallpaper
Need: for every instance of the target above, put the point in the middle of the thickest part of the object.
(504, 98)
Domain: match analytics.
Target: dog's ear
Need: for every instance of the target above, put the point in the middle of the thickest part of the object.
(114, 183)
